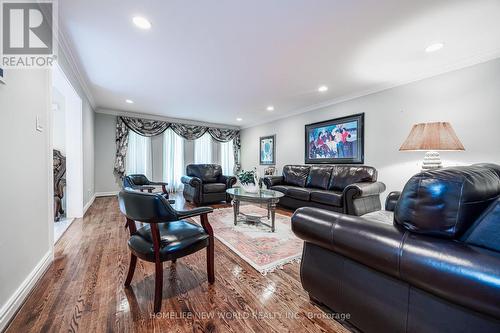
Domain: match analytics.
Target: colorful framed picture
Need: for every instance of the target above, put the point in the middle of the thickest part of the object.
(336, 141)
(267, 150)
(2, 77)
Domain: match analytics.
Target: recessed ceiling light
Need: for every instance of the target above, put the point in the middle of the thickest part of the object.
(141, 22)
(322, 88)
(434, 47)
(270, 108)
(129, 101)
(239, 119)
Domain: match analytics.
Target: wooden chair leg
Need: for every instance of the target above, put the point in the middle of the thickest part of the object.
(131, 269)
(210, 261)
(158, 286)
(174, 261)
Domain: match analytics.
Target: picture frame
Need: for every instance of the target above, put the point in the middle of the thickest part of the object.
(335, 141)
(267, 150)
(2, 75)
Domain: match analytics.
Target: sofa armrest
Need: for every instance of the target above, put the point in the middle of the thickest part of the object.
(193, 181)
(372, 243)
(362, 198)
(392, 200)
(228, 180)
(365, 189)
(272, 181)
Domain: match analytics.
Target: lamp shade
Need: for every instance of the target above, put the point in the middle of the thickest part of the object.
(432, 136)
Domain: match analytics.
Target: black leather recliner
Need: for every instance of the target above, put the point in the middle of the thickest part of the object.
(205, 184)
(431, 266)
(141, 183)
(349, 189)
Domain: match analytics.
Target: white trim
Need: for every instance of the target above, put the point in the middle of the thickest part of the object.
(14, 303)
(71, 59)
(88, 204)
(472, 61)
(106, 194)
(161, 118)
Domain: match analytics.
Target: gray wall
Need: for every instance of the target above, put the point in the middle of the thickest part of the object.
(468, 98)
(24, 199)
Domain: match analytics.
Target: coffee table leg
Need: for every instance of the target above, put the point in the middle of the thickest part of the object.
(236, 210)
(272, 207)
(268, 210)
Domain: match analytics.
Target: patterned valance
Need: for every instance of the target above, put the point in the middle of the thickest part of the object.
(147, 127)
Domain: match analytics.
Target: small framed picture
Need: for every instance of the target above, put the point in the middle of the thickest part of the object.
(267, 150)
(2, 75)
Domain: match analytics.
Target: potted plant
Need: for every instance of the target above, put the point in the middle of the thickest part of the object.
(249, 181)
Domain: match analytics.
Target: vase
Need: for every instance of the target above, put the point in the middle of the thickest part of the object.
(251, 188)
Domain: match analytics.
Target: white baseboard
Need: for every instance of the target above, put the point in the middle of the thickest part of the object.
(87, 206)
(106, 194)
(14, 303)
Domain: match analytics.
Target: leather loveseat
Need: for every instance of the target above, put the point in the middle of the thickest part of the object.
(432, 265)
(205, 184)
(348, 189)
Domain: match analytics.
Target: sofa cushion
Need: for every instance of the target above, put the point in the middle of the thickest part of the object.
(485, 232)
(299, 193)
(331, 198)
(281, 188)
(296, 174)
(319, 177)
(344, 175)
(208, 173)
(214, 188)
(446, 202)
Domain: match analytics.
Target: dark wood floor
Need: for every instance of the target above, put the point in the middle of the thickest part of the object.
(83, 289)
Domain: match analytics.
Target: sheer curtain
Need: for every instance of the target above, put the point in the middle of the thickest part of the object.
(173, 160)
(227, 158)
(203, 149)
(139, 159)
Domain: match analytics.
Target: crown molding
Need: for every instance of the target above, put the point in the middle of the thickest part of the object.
(74, 64)
(114, 112)
(469, 62)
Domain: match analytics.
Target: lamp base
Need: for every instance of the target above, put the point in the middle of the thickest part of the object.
(432, 161)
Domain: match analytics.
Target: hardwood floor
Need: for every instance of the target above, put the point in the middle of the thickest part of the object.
(83, 289)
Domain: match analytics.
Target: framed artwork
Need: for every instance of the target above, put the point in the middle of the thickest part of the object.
(267, 150)
(2, 77)
(336, 141)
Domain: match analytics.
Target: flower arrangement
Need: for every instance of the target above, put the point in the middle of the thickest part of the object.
(249, 180)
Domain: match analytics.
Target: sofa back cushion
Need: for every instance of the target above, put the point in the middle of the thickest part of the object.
(485, 232)
(319, 177)
(344, 175)
(446, 202)
(208, 173)
(295, 175)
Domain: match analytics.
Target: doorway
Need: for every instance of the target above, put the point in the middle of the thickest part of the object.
(67, 147)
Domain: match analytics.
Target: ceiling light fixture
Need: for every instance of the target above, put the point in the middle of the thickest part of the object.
(434, 47)
(270, 108)
(141, 22)
(322, 88)
(129, 101)
(239, 119)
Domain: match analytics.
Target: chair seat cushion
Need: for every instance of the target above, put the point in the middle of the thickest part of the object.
(331, 198)
(214, 188)
(178, 239)
(299, 193)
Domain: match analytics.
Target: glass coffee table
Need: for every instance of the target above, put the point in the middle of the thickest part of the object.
(267, 197)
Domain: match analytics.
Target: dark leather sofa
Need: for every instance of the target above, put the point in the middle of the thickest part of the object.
(205, 184)
(432, 265)
(349, 189)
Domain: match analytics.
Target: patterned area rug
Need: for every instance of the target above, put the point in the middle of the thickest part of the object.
(256, 244)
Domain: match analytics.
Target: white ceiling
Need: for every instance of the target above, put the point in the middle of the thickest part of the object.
(219, 60)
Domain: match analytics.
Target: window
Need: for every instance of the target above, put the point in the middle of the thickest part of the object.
(173, 160)
(139, 158)
(227, 158)
(203, 149)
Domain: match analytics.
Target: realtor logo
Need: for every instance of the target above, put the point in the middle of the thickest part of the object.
(28, 33)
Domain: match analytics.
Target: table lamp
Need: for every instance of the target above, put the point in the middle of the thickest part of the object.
(431, 137)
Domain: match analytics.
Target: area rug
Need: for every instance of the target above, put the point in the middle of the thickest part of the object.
(256, 244)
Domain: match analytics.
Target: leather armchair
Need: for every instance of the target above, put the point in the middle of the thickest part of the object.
(205, 183)
(431, 266)
(141, 183)
(167, 236)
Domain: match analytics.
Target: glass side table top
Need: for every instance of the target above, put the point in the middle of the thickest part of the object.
(261, 194)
